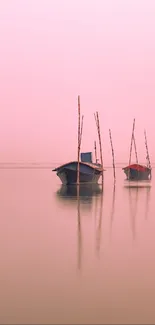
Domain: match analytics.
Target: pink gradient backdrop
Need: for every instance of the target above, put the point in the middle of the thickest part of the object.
(51, 51)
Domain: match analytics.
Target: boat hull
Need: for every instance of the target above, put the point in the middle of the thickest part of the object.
(69, 177)
(88, 173)
(137, 175)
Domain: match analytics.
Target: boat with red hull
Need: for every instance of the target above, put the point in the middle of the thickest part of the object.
(137, 172)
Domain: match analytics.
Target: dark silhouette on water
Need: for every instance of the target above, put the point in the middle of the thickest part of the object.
(79, 235)
(136, 171)
(83, 194)
(86, 192)
(147, 201)
(99, 227)
(133, 202)
(112, 208)
(133, 208)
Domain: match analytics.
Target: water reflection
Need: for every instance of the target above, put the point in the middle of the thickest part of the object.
(133, 202)
(89, 195)
(135, 190)
(112, 208)
(139, 184)
(85, 193)
(99, 226)
(147, 202)
(79, 232)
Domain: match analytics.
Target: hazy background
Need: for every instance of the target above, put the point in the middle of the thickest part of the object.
(53, 50)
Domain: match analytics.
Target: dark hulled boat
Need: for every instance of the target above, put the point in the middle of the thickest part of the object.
(137, 172)
(89, 172)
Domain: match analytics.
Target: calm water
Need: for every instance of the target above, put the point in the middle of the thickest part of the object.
(69, 261)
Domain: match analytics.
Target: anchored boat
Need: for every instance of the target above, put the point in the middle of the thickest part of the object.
(138, 172)
(89, 172)
(84, 170)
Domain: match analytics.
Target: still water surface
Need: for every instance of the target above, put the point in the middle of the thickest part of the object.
(69, 261)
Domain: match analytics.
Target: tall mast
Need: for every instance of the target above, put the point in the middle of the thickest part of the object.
(95, 151)
(132, 137)
(81, 130)
(79, 143)
(134, 141)
(147, 151)
(100, 143)
(113, 157)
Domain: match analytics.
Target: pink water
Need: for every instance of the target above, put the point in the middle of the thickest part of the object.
(61, 267)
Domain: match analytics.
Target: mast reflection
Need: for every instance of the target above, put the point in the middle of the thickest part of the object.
(99, 227)
(147, 201)
(79, 232)
(112, 208)
(135, 188)
(133, 209)
(85, 196)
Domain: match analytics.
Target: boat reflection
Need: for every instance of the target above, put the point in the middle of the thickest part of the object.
(135, 190)
(84, 193)
(147, 202)
(79, 232)
(135, 184)
(133, 202)
(84, 196)
(112, 208)
(99, 227)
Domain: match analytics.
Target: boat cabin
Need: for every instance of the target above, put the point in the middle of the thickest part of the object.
(86, 157)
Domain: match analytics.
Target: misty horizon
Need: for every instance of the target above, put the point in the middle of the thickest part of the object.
(53, 51)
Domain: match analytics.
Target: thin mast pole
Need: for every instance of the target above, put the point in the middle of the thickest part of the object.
(81, 130)
(78, 166)
(147, 151)
(113, 156)
(133, 128)
(134, 141)
(100, 143)
(132, 137)
(95, 151)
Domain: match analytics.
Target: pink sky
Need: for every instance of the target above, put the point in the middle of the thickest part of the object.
(53, 50)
